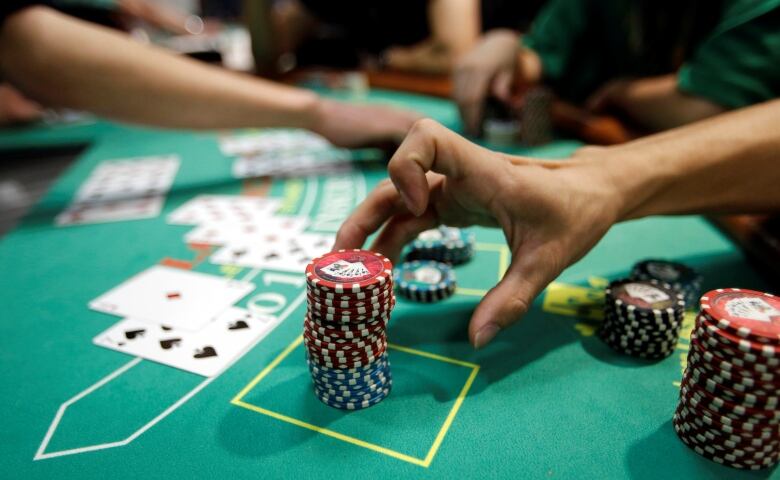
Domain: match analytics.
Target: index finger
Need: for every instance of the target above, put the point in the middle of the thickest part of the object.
(372, 213)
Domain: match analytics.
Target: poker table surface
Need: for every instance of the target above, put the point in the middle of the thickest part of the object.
(547, 399)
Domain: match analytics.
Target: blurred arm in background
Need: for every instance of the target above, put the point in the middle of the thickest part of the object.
(62, 61)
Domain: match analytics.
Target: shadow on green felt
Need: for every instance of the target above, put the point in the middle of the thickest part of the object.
(647, 460)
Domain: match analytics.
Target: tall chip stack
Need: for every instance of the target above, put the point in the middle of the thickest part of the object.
(642, 318)
(350, 298)
(729, 409)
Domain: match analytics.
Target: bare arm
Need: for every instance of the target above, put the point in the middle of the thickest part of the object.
(654, 103)
(551, 212)
(455, 27)
(59, 60)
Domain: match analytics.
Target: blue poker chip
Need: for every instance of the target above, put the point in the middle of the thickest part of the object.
(353, 371)
(375, 377)
(425, 280)
(354, 391)
(344, 403)
(343, 375)
(443, 244)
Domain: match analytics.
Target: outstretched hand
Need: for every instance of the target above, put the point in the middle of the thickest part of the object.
(551, 213)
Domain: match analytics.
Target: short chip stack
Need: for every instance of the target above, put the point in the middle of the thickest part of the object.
(425, 280)
(443, 244)
(680, 277)
(350, 298)
(642, 318)
(729, 408)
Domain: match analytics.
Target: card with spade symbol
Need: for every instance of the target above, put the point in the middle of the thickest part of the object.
(275, 251)
(224, 233)
(182, 299)
(206, 352)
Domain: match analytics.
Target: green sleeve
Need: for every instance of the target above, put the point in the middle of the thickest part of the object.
(739, 64)
(554, 34)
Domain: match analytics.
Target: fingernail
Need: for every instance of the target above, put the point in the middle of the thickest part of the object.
(485, 335)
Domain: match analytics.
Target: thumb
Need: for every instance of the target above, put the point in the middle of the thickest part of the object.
(509, 300)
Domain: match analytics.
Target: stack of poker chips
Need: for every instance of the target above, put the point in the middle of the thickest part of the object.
(680, 277)
(350, 298)
(443, 244)
(536, 117)
(425, 280)
(729, 408)
(642, 318)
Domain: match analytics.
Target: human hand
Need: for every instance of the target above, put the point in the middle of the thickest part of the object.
(551, 212)
(352, 125)
(488, 69)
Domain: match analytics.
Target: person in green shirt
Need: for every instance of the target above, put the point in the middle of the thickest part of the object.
(659, 63)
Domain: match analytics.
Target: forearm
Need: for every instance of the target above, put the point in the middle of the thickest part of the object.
(656, 103)
(730, 163)
(455, 25)
(63, 61)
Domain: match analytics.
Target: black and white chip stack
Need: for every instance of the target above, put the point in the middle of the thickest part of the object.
(642, 318)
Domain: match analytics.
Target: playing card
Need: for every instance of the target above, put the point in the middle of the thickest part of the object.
(224, 233)
(235, 209)
(206, 352)
(173, 297)
(292, 163)
(111, 211)
(270, 140)
(129, 178)
(288, 253)
(124, 189)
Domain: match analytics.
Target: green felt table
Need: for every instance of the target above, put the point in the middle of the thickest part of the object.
(546, 400)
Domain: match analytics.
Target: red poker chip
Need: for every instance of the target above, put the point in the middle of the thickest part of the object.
(740, 376)
(724, 420)
(344, 318)
(734, 393)
(384, 307)
(733, 385)
(735, 355)
(344, 364)
(734, 396)
(731, 403)
(345, 271)
(351, 297)
(718, 356)
(731, 339)
(350, 304)
(342, 350)
(720, 339)
(650, 296)
(716, 437)
(747, 313)
(710, 442)
(344, 340)
(727, 460)
(755, 448)
(729, 409)
(708, 421)
(364, 353)
(354, 330)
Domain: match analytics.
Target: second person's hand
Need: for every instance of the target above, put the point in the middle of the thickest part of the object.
(551, 213)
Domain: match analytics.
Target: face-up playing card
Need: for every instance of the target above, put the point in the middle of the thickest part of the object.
(293, 163)
(169, 296)
(118, 190)
(232, 209)
(275, 252)
(111, 211)
(206, 352)
(224, 233)
(129, 179)
(270, 140)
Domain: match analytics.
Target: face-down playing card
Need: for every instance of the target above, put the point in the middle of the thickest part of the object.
(173, 297)
(205, 352)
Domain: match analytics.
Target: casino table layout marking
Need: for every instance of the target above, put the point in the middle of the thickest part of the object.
(503, 265)
(239, 401)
